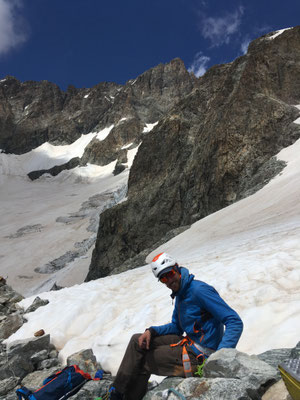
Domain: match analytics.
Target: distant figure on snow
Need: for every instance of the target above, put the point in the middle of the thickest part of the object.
(162, 350)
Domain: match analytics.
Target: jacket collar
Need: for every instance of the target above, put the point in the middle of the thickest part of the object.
(186, 279)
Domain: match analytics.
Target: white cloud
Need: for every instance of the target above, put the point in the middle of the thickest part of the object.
(199, 64)
(219, 29)
(245, 44)
(12, 29)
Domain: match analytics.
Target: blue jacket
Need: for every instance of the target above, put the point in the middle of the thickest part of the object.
(202, 314)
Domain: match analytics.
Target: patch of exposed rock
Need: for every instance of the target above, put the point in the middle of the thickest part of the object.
(11, 315)
(74, 162)
(25, 230)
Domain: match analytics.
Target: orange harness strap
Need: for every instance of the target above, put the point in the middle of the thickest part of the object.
(186, 362)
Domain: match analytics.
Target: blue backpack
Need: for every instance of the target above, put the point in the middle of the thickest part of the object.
(60, 386)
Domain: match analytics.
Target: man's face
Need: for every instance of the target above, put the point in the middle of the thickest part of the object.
(172, 280)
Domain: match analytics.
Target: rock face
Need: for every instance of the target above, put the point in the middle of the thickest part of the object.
(32, 113)
(11, 315)
(215, 146)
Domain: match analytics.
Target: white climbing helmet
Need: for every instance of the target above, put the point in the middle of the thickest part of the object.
(162, 263)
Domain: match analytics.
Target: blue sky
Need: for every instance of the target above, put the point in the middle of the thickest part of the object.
(84, 42)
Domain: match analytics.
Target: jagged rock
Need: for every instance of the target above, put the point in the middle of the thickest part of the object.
(56, 287)
(119, 168)
(35, 379)
(274, 357)
(10, 324)
(230, 363)
(110, 149)
(93, 389)
(9, 396)
(74, 162)
(8, 384)
(36, 112)
(8, 299)
(29, 346)
(25, 230)
(49, 363)
(37, 303)
(15, 366)
(53, 353)
(202, 389)
(29, 361)
(11, 315)
(39, 356)
(295, 353)
(86, 361)
(156, 392)
(18, 360)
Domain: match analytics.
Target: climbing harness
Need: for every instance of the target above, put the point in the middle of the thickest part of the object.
(202, 353)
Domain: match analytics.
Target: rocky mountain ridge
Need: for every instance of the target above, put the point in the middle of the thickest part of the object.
(213, 140)
(32, 113)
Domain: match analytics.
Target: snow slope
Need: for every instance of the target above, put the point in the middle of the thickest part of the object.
(249, 251)
(42, 220)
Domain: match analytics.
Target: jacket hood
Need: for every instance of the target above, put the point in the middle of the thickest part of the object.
(186, 279)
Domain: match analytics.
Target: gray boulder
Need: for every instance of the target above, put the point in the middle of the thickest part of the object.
(18, 360)
(157, 392)
(274, 357)
(49, 363)
(92, 390)
(9, 396)
(85, 360)
(200, 388)
(27, 347)
(7, 385)
(10, 324)
(37, 303)
(295, 353)
(35, 379)
(230, 363)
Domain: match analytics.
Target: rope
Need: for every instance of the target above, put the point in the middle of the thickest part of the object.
(166, 393)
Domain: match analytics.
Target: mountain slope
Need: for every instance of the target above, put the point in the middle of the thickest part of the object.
(214, 147)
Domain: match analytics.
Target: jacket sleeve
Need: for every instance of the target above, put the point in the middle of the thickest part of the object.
(173, 328)
(211, 301)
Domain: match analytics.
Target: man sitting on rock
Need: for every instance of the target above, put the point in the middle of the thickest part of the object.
(162, 350)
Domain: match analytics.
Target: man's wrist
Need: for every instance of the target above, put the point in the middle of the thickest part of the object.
(152, 332)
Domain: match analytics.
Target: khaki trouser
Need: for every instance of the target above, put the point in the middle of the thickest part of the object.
(138, 364)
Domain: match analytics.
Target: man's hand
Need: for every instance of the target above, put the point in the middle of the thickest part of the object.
(144, 340)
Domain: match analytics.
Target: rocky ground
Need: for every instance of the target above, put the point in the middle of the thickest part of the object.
(228, 373)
